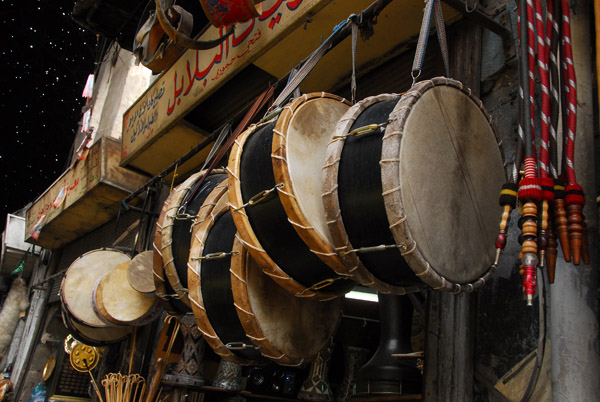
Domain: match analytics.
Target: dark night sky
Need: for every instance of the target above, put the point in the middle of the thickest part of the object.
(46, 58)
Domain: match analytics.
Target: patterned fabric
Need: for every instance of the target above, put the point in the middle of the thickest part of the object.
(354, 359)
(229, 376)
(316, 386)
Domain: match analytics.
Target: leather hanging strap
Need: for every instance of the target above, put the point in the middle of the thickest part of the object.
(258, 104)
(431, 7)
(306, 67)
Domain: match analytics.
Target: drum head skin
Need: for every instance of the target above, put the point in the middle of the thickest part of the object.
(289, 330)
(451, 201)
(269, 318)
(120, 304)
(280, 232)
(139, 273)
(440, 172)
(80, 279)
(298, 152)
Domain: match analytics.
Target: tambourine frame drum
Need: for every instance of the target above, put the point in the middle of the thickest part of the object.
(80, 278)
(413, 200)
(139, 273)
(274, 182)
(244, 315)
(116, 302)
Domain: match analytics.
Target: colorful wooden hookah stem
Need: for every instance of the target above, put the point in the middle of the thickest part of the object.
(574, 197)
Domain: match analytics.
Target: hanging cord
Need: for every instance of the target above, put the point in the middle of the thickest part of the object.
(574, 197)
(431, 6)
(306, 68)
(353, 79)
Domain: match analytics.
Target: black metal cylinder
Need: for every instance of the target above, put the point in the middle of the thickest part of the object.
(385, 373)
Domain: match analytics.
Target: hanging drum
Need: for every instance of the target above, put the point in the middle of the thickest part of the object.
(275, 187)
(139, 273)
(227, 12)
(76, 296)
(410, 186)
(117, 303)
(243, 314)
(175, 224)
(94, 336)
(153, 48)
(79, 281)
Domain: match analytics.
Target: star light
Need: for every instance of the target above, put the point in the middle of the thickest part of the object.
(45, 60)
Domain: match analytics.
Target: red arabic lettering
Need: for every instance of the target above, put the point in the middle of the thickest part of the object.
(267, 13)
(176, 93)
(237, 40)
(292, 5)
(218, 57)
(75, 183)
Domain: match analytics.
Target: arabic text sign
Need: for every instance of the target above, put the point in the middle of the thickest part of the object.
(197, 73)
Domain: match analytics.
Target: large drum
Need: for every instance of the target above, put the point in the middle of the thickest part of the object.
(76, 292)
(243, 314)
(410, 188)
(94, 336)
(80, 278)
(275, 187)
(116, 302)
(175, 224)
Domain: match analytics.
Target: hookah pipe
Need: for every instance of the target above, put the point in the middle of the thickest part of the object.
(546, 251)
(530, 192)
(558, 205)
(574, 198)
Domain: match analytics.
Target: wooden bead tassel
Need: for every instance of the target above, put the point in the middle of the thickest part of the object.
(560, 226)
(575, 230)
(543, 234)
(529, 250)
